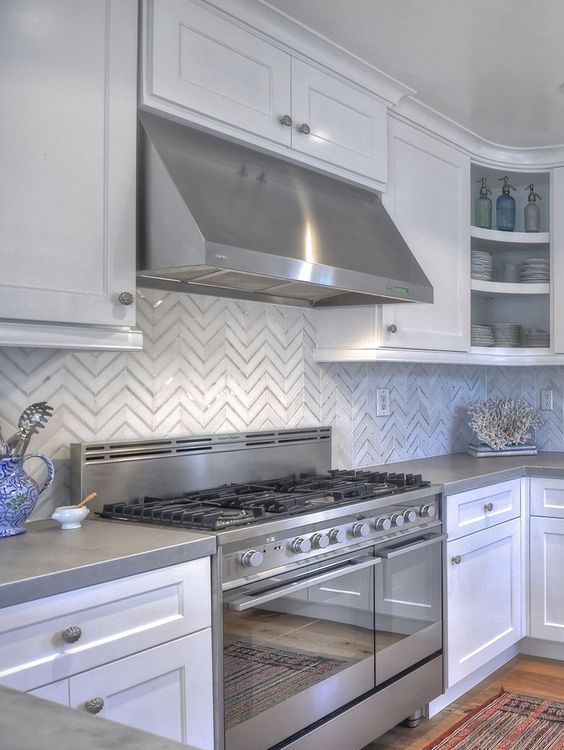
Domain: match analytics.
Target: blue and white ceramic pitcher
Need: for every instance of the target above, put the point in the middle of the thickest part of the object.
(19, 492)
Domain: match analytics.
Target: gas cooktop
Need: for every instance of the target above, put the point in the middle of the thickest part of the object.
(242, 504)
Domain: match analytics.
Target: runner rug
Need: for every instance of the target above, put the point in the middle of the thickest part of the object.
(257, 677)
(507, 722)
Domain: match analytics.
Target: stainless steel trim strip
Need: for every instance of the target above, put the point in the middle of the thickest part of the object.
(405, 549)
(247, 602)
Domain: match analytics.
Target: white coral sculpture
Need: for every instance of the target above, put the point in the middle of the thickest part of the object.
(500, 422)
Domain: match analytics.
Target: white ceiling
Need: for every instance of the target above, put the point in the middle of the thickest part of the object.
(493, 66)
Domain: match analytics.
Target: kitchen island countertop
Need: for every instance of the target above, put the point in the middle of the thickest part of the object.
(46, 560)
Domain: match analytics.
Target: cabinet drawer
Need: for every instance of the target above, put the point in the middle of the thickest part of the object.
(471, 511)
(547, 497)
(115, 619)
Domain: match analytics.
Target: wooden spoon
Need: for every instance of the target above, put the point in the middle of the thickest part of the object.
(87, 499)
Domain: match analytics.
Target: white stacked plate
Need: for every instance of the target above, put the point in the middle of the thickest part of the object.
(482, 265)
(507, 334)
(482, 336)
(537, 338)
(535, 271)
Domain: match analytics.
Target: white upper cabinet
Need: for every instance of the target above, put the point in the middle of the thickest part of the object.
(428, 196)
(214, 67)
(68, 150)
(203, 66)
(557, 258)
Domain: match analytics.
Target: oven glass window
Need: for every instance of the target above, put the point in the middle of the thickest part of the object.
(292, 659)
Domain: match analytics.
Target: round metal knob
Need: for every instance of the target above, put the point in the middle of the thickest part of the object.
(71, 634)
(320, 541)
(409, 516)
(397, 519)
(94, 705)
(383, 524)
(360, 530)
(301, 544)
(392, 328)
(337, 536)
(488, 507)
(456, 560)
(252, 559)
(428, 511)
(304, 128)
(285, 120)
(126, 298)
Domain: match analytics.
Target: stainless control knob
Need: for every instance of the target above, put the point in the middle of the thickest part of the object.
(320, 541)
(126, 298)
(71, 634)
(337, 536)
(301, 544)
(360, 530)
(383, 524)
(397, 519)
(94, 705)
(252, 559)
(428, 511)
(409, 516)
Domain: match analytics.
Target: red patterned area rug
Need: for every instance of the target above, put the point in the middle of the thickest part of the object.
(507, 722)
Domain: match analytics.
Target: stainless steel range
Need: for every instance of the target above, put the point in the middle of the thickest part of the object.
(328, 584)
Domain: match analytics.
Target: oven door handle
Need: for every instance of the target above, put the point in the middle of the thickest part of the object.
(405, 549)
(247, 602)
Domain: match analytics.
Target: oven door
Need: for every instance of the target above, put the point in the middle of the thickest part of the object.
(408, 604)
(297, 647)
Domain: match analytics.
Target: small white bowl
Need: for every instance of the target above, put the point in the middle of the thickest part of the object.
(69, 517)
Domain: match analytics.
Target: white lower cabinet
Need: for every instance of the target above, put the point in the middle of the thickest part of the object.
(484, 597)
(547, 584)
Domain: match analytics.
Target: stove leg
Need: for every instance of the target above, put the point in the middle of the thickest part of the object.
(414, 719)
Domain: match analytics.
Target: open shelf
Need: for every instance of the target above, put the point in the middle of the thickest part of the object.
(498, 238)
(502, 287)
(514, 351)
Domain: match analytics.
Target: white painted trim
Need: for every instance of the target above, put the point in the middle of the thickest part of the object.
(54, 336)
(474, 356)
(542, 649)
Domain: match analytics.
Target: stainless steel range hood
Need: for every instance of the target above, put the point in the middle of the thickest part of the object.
(218, 218)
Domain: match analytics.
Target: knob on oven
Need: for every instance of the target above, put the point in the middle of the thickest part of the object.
(383, 524)
(397, 519)
(337, 536)
(252, 559)
(301, 544)
(409, 516)
(428, 511)
(360, 530)
(320, 541)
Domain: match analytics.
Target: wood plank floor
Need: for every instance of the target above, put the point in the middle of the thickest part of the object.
(524, 674)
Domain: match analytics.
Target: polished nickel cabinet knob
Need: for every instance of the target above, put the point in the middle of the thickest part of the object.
(360, 530)
(383, 524)
(392, 328)
(71, 634)
(252, 559)
(285, 120)
(409, 516)
(337, 536)
(456, 560)
(397, 519)
(301, 544)
(320, 541)
(94, 705)
(488, 507)
(428, 511)
(126, 298)
(304, 128)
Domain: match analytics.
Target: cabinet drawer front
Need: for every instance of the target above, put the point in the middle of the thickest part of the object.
(208, 66)
(547, 497)
(481, 508)
(115, 619)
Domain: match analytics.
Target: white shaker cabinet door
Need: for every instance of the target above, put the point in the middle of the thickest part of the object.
(428, 196)
(67, 142)
(484, 597)
(204, 64)
(338, 123)
(166, 690)
(546, 579)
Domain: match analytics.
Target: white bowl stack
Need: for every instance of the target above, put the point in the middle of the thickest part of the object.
(482, 265)
(507, 334)
(535, 271)
(482, 336)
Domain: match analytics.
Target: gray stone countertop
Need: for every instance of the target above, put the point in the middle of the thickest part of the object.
(30, 723)
(458, 472)
(47, 560)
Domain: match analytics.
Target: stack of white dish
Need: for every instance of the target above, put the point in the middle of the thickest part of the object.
(482, 265)
(535, 271)
(537, 337)
(482, 336)
(507, 334)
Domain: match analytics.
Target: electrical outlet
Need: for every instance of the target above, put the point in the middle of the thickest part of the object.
(547, 399)
(383, 408)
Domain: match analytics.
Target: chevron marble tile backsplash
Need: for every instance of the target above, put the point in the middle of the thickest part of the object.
(214, 365)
